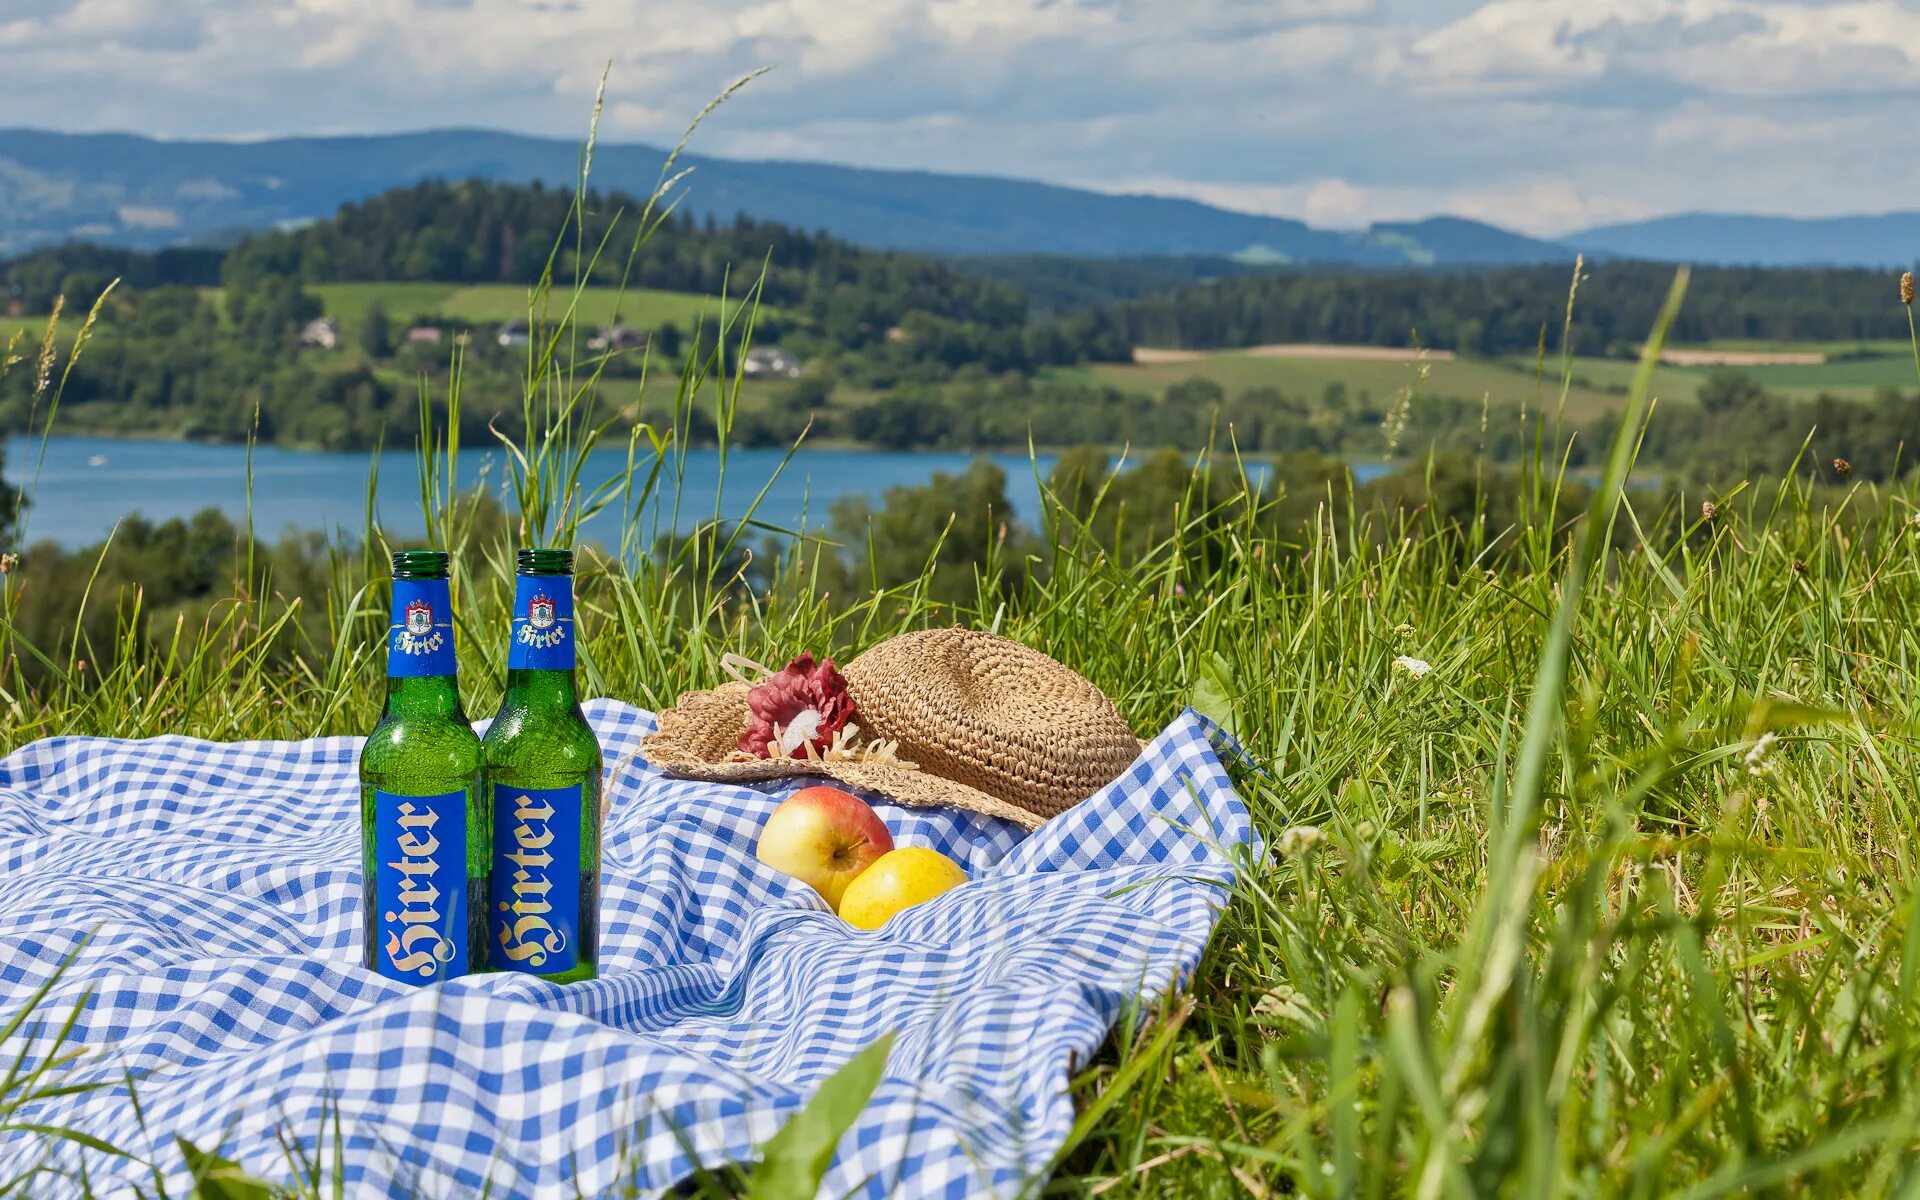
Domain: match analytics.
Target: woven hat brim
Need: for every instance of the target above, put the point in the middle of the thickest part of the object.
(697, 735)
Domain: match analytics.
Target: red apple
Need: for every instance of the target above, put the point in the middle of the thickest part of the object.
(824, 837)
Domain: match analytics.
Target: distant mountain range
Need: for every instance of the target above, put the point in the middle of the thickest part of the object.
(1885, 240)
(128, 190)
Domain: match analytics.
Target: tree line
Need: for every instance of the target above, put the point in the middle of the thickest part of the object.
(1510, 309)
(81, 271)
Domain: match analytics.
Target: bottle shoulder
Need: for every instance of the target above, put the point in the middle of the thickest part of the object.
(420, 745)
(523, 735)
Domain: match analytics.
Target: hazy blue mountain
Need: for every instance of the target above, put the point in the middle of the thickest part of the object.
(1438, 240)
(1889, 239)
(130, 190)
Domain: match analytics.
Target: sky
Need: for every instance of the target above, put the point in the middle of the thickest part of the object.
(1541, 115)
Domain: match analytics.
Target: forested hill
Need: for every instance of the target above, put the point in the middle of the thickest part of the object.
(1053, 283)
(844, 296)
(478, 232)
(1504, 310)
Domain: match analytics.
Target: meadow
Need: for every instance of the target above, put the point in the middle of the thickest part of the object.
(24, 328)
(1589, 856)
(1588, 814)
(1379, 380)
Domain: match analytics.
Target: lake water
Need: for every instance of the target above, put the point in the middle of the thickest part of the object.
(84, 485)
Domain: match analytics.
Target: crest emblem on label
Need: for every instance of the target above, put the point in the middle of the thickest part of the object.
(543, 629)
(540, 612)
(419, 618)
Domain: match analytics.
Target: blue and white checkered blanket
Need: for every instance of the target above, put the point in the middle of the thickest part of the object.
(221, 883)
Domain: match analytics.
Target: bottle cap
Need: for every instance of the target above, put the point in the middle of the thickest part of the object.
(545, 561)
(420, 564)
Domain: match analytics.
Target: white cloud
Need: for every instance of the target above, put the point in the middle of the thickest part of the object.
(1543, 205)
(1702, 127)
(1751, 48)
(1538, 114)
(1329, 202)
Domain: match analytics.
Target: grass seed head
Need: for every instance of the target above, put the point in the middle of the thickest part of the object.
(1298, 841)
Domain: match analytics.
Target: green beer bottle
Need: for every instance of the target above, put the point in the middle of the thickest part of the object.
(424, 845)
(542, 780)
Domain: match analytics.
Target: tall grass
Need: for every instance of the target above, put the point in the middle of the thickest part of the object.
(1615, 899)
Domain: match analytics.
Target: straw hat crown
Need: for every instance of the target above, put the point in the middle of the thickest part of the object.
(977, 722)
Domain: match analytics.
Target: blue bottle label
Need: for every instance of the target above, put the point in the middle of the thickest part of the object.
(420, 886)
(536, 879)
(543, 632)
(420, 641)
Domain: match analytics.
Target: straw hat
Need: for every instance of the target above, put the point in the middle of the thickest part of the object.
(946, 717)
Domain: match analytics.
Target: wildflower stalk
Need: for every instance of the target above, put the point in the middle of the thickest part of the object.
(1906, 301)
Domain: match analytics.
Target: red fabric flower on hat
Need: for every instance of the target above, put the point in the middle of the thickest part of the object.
(800, 706)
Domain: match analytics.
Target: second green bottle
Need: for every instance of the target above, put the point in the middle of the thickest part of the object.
(541, 777)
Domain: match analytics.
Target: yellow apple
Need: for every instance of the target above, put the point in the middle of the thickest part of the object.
(824, 837)
(898, 879)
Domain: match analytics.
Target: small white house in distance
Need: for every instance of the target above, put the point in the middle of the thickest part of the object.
(771, 362)
(618, 337)
(425, 335)
(323, 332)
(515, 333)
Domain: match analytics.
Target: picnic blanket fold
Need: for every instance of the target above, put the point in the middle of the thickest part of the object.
(221, 886)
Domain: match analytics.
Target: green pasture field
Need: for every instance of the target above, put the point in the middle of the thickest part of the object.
(1612, 376)
(1382, 380)
(1855, 370)
(30, 331)
(1837, 347)
(1841, 376)
(1597, 384)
